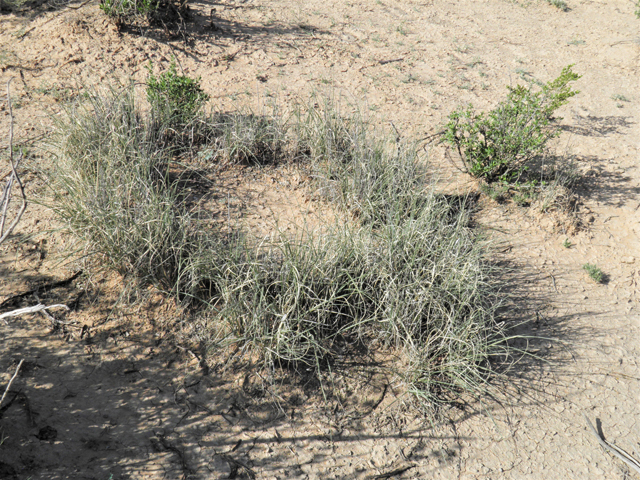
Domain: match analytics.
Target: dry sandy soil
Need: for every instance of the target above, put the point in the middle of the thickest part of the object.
(113, 395)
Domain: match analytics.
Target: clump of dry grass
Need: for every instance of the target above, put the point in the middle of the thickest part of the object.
(407, 271)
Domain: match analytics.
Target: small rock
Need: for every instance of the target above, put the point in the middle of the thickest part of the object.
(628, 259)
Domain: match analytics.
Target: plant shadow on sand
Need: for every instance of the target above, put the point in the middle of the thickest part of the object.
(203, 23)
(115, 404)
(127, 401)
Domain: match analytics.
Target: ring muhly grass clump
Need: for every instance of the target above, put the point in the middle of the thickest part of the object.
(407, 271)
(402, 268)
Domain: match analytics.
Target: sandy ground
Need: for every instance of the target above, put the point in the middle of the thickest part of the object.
(113, 395)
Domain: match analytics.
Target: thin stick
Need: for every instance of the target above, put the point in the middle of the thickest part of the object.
(617, 451)
(3, 236)
(11, 381)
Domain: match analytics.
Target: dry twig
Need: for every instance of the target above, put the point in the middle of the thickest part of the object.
(35, 308)
(617, 451)
(11, 381)
(6, 197)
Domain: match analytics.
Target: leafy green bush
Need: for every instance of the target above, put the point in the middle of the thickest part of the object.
(499, 145)
(594, 272)
(167, 14)
(120, 9)
(559, 4)
(176, 97)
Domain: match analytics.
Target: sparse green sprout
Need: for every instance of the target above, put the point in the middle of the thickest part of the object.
(524, 197)
(619, 98)
(594, 272)
(401, 30)
(559, 4)
(567, 243)
(637, 12)
(178, 96)
(500, 144)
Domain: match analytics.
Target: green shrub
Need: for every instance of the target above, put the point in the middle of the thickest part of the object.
(500, 144)
(594, 272)
(559, 4)
(121, 9)
(176, 97)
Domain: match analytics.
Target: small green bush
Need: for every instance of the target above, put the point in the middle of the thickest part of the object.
(594, 272)
(121, 9)
(559, 4)
(500, 144)
(176, 97)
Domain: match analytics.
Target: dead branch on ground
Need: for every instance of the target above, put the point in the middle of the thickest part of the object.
(11, 381)
(36, 308)
(6, 195)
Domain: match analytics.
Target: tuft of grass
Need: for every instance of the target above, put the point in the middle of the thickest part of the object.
(594, 272)
(128, 8)
(402, 271)
(619, 98)
(556, 186)
(496, 192)
(112, 190)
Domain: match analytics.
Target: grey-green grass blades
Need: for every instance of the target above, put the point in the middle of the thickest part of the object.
(402, 268)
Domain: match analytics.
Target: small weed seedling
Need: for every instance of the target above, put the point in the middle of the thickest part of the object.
(594, 272)
(567, 243)
(496, 192)
(559, 4)
(619, 98)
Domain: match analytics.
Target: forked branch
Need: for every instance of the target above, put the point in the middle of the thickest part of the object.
(14, 177)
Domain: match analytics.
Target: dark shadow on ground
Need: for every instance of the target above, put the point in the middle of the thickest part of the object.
(609, 187)
(542, 341)
(590, 126)
(121, 405)
(203, 23)
(32, 9)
